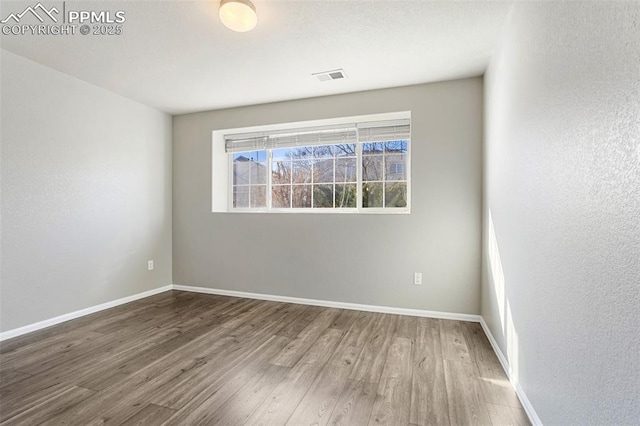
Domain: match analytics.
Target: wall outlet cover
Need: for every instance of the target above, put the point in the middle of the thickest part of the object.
(417, 278)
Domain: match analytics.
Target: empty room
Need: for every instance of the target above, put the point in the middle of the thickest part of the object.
(320, 212)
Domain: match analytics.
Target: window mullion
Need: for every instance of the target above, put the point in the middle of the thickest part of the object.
(384, 177)
(251, 183)
(333, 192)
(230, 193)
(269, 179)
(359, 176)
(291, 183)
(313, 164)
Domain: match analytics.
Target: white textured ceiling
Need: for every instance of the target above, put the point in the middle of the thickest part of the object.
(178, 57)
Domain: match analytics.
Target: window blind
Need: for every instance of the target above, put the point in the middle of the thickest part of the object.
(375, 131)
(382, 131)
(290, 138)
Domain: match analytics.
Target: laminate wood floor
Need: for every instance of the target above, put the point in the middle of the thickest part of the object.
(182, 358)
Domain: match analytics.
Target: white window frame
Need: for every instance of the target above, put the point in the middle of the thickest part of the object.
(222, 169)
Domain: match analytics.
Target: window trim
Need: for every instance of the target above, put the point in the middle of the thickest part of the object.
(222, 168)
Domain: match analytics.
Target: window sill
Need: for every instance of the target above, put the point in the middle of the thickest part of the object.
(323, 211)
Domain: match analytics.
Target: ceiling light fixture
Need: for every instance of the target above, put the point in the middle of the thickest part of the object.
(238, 15)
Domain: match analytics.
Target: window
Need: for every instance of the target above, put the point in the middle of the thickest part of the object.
(360, 167)
(250, 180)
(384, 183)
(314, 177)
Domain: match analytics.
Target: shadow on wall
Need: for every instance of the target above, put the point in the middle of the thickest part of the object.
(497, 280)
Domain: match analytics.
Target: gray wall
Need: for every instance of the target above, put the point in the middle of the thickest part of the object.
(86, 194)
(367, 259)
(562, 186)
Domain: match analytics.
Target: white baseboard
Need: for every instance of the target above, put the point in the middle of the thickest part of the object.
(286, 299)
(77, 314)
(526, 404)
(331, 304)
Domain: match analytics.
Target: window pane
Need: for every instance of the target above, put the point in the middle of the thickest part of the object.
(301, 153)
(346, 195)
(371, 167)
(345, 149)
(250, 156)
(259, 196)
(281, 172)
(325, 151)
(323, 196)
(399, 147)
(248, 167)
(258, 173)
(323, 171)
(281, 196)
(281, 154)
(346, 170)
(301, 171)
(241, 196)
(372, 194)
(395, 167)
(301, 196)
(241, 172)
(372, 148)
(396, 194)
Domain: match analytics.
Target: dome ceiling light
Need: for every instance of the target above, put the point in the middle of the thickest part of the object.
(238, 15)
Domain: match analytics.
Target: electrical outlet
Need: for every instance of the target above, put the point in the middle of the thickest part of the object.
(417, 278)
(150, 265)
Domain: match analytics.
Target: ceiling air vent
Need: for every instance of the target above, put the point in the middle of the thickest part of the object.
(330, 75)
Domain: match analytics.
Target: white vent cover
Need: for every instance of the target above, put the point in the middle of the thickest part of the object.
(330, 75)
